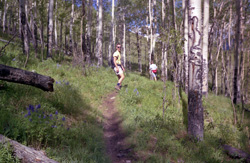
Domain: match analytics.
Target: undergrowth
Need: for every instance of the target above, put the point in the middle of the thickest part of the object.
(64, 122)
(159, 137)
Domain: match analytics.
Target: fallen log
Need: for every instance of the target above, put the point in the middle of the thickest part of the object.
(26, 154)
(236, 153)
(17, 75)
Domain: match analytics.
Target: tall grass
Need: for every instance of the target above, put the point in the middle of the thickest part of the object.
(70, 131)
(63, 122)
(159, 137)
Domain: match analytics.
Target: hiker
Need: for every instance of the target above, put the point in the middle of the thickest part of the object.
(117, 66)
(153, 70)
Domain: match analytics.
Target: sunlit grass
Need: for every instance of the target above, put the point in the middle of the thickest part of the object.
(158, 136)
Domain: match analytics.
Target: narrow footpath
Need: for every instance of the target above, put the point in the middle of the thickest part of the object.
(116, 148)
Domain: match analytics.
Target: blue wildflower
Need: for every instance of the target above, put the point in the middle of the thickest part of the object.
(30, 120)
(13, 59)
(44, 116)
(67, 83)
(63, 118)
(52, 126)
(29, 113)
(56, 82)
(135, 89)
(31, 107)
(26, 115)
(55, 126)
(38, 106)
(56, 113)
(137, 93)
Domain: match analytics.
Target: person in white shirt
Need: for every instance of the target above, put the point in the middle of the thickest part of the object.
(153, 70)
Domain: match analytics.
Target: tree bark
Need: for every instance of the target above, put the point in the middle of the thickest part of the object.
(34, 28)
(205, 47)
(185, 24)
(55, 29)
(112, 33)
(50, 28)
(164, 51)
(16, 75)
(139, 51)
(24, 30)
(26, 154)
(99, 35)
(236, 153)
(195, 109)
(124, 38)
(89, 24)
(71, 36)
(6, 6)
(236, 80)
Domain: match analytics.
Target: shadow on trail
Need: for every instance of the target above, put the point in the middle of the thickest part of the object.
(115, 137)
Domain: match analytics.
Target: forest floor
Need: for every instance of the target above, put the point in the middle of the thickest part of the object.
(116, 147)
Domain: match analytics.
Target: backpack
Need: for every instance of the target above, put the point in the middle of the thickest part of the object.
(112, 62)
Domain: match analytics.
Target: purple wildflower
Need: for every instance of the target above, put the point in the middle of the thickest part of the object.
(63, 118)
(51, 116)
(135, 89)
(67, 83)
(44, 116)
(56, 113)
(29, 113)
(26, 115)
(38, 106)
(31, 107)
(137, 93)
(30, 120)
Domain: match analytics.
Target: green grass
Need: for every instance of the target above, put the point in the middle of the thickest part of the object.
(75, 98)
(161, 138)
(156, 137)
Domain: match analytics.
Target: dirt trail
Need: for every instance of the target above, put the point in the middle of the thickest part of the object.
(118, 151)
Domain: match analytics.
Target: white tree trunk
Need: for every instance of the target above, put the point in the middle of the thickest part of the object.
(124, 40)
(89, 24)
(112, 33)
(205, 47)
(6, 6)
(71, 36)
(50, 28)
(195, 109)
(151, 30)
(185, 24)
(55, 24)
(97, 26)
(99, 35)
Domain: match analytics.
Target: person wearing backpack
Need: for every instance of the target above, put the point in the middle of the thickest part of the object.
(153, 70)
(117, 66)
